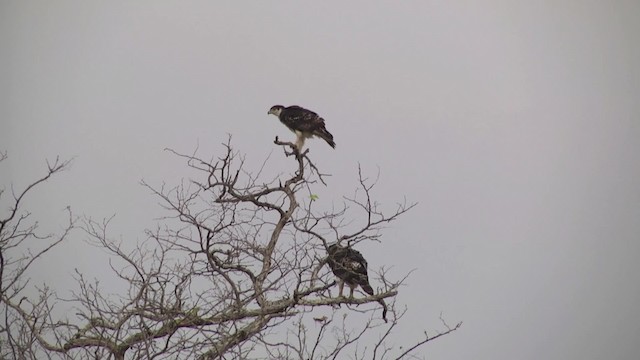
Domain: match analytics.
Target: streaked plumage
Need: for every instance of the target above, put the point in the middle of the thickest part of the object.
(350, 267)
(304, 123)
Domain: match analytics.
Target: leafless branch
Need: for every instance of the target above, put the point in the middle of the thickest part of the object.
(235, 260)
(21, 245)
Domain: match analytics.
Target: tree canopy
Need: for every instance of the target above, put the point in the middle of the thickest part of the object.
(234, 270)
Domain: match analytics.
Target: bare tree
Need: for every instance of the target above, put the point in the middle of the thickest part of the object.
(235, 270)
(21, 245)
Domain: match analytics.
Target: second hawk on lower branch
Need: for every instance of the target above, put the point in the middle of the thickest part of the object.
(350, 267)
(304, 123)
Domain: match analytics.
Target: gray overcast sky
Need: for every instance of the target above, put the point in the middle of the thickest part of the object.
(516, 126)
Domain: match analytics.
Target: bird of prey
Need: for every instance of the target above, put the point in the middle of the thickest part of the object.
(304, 123)
(350, 267)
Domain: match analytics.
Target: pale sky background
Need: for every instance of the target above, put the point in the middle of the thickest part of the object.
(516, 126)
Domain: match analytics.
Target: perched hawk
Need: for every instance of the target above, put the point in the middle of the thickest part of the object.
(350, 267)
(304, 123)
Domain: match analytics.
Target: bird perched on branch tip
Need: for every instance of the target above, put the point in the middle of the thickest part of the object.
(302, 122)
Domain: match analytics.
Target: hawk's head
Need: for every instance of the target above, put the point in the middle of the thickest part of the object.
(276, 110)
(333, 249)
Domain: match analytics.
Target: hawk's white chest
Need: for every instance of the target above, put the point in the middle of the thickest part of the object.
(302, 134)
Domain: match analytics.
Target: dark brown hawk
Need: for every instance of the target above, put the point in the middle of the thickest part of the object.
(350, 267)
(304, 123)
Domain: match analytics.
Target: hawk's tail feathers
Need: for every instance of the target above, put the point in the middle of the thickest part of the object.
(326, 136)
(367, 288)
(384, 310)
